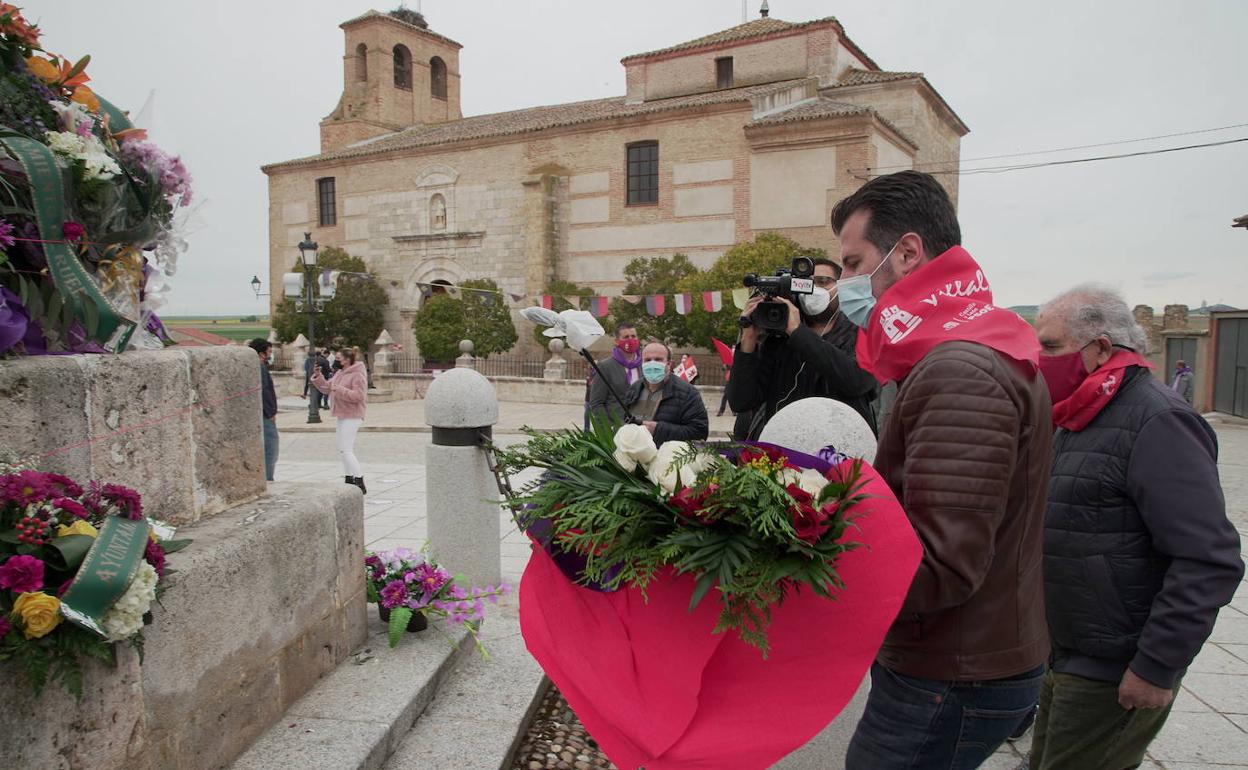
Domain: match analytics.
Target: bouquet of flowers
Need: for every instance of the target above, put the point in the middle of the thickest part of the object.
(89, 209)
(744, 520)
(50, 528)
(404, 583)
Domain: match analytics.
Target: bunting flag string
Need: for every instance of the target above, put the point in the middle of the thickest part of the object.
(632, 299)
(548, 302)
(598, 306)
(683, 303)
(656, 304)
(740, 297)
(573, 300)
(712, 301)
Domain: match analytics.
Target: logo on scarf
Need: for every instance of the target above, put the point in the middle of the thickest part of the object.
(1107, 387)
(898, 323)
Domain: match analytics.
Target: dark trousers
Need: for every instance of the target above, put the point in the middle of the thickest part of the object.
(1080, 725)
(928, 724)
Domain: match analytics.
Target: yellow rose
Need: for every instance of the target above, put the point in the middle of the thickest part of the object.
(39, 613)
(79, 527)
(44, 69)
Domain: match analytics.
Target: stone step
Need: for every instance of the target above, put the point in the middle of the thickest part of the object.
(479, 714)
(360, 713)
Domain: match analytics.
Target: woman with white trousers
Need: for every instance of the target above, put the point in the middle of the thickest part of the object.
(348, 398)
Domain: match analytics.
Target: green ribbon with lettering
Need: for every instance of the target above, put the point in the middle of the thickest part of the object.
(117, 120)
(105, 572)
(76, 286)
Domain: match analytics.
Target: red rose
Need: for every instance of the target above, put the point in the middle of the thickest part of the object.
(691, 503)
(800, 495)
(808, 523)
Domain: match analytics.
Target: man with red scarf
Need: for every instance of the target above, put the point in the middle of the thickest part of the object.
(966, 450)
(1138, 552)
(619, 371)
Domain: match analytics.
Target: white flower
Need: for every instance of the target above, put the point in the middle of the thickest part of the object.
(634, 446)
(124, 619)
(72, 114)
(97, 163)
(663, 471)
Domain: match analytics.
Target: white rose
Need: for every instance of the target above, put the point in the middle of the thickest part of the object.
(662, 470)
(634, 446)
(812, 481)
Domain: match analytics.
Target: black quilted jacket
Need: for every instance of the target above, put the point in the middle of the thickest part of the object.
(1138, 552)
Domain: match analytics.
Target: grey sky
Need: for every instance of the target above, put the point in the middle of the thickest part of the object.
(239, 85)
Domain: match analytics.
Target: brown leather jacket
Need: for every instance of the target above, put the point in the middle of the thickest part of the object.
(966, 450)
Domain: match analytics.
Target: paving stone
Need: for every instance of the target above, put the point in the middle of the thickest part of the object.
(1213, 659)
(1201, 738)
(1226, 694)
(1185, 702)
(1231, 627)
(324, 744)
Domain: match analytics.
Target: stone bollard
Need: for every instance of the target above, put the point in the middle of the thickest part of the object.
(300, 354)
(463, 523)
(383, 359)
(557, 366)
(465, 360)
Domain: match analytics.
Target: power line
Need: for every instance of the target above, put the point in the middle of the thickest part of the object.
(1025, 166)
(919, 166)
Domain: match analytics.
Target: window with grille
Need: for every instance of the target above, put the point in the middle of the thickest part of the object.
(326, 202)
(643, 173)
(723, 72)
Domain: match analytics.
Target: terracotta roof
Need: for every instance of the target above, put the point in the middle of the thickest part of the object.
(811, 110)
(857, 77)
(756, 28)
(533, 119)
(387, 17)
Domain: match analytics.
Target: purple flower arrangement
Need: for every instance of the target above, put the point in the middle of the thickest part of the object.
(403, 582)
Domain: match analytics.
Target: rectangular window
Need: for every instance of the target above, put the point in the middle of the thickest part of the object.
(723, 72)
(326, 202)
(643, 173)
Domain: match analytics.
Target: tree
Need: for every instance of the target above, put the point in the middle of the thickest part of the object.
(557, 291)
(355, 315)
(655, 275)
(439, 326)
(763, 255)
(487, 320)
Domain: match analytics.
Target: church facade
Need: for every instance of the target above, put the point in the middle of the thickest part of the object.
(758, 128)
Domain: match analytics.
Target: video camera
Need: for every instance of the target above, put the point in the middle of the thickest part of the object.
(770, 316)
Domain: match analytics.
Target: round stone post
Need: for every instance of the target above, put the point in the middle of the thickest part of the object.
(463, 525)
(557, 366)
(465, 360)
(383, 358)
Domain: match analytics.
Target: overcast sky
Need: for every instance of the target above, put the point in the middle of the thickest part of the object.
(240, 85)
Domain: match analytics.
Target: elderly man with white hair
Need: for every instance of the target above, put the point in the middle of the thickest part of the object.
(1138, 553)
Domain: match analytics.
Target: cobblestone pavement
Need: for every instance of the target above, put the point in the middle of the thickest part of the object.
(1208, 727)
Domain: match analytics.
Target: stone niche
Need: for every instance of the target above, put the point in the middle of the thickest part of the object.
(268, 598)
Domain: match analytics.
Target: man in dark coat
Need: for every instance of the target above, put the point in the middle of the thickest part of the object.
(268, 406)
(815, 358)
(620, 370)
(1138, 552)
(670, 408)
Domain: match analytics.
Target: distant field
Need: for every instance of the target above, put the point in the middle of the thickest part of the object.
(230, 327)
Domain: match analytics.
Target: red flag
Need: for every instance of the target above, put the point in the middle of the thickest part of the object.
(686, 370)
(725, 352)
(548, 302)
(712, 301)
(655, 304)
(683, 303)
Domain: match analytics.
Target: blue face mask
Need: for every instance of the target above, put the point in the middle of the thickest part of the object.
(857, 299)
(654, 371)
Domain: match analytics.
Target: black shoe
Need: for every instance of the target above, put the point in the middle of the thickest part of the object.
(359, 482)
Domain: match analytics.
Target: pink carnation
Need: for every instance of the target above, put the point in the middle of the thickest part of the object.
(155, 556)
(72, 507)
(22, 574)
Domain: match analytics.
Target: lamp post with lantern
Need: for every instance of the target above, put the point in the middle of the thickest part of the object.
(310, 304)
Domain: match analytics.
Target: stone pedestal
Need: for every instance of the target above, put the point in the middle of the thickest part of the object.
(465, 360)
(463, 526)
(811, 424)
(383, 359)
(557, 366)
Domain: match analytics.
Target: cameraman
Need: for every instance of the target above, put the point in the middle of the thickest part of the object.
(814, 358)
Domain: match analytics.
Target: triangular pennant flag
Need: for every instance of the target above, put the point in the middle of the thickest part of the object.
(725, 352)
(740, 297)
(631, 298)
(712, 301)
(598, 306)
(683, 303)
(656, 305)
(452, 291)
(573, 300)
(516, 297)
(548, 302)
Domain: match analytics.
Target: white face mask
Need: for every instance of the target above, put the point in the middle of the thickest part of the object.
(816, 302)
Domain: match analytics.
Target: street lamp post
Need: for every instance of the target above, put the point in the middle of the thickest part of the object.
(307, 256)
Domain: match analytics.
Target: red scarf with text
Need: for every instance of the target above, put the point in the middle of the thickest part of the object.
(945, 300)
(1096, 391)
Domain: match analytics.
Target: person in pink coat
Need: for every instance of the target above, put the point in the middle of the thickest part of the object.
(348, 398)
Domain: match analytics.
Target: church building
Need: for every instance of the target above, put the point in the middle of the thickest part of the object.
(758, 128)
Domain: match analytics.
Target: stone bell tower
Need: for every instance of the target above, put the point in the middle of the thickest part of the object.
(397, 73)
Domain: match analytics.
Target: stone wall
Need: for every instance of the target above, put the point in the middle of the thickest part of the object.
(268, 597)
(181, 425)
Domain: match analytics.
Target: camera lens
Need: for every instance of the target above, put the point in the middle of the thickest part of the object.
(803, 267)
